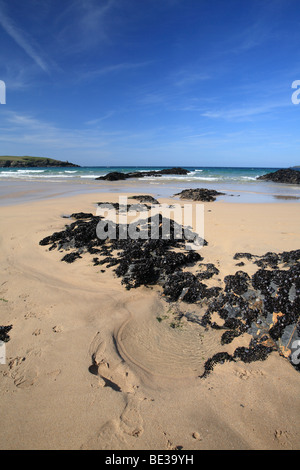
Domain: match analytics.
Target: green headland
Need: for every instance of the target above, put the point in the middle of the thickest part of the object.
(29, 162)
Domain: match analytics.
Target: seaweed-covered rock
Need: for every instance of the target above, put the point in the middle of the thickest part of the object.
(266, 305)
(237, 283)
(199, 194)
(207, 271)
(145, 198)
(253, 353)
(141, 261)
(218, 358)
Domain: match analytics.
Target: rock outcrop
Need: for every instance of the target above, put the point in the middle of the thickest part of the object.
(116, 175)
(288, 176)
(199, 194)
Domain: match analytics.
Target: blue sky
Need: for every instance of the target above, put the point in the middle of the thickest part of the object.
(151, 82)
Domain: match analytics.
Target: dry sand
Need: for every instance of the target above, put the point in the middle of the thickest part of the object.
(71, 321)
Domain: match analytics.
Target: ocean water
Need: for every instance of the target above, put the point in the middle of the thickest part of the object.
(199, 174)
(238, 184)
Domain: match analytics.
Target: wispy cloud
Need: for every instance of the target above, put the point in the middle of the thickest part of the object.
(18, 128)
(95, 122)
(22, 39)
(246, 112)
(261, 30)
(109, 69)
(83, 24)
(187, 78)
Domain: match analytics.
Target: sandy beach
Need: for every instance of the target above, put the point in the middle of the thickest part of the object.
(146, 391)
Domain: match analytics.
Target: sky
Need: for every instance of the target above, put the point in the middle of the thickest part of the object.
(151, 82)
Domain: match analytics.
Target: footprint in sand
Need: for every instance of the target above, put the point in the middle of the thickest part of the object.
(111, 374)
(22, 371)
(131, 420)
(109, 437)
(25, 372)
(120, 379)
(282, 437)
(114, 433)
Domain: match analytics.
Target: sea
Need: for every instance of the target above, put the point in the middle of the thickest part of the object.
(239, 184)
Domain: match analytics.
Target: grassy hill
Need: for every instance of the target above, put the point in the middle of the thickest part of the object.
(7, 161)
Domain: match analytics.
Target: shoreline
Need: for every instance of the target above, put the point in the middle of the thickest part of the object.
(68, 318)
(19, 191)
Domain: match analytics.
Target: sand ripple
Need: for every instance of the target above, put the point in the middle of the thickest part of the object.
(162, 350)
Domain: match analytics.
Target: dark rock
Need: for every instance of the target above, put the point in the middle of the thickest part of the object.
(253, 353)
(269, 259)
(173, 171)
(287, 175)
(71, 257)
(239, 283)
(199, 194)
(115, 175)
(243, 255)
(139, 261)
(229, 336)
(4, 330)
(207, 271)
(247, 355)
(220, 357)
(81, 215)
(145, 198)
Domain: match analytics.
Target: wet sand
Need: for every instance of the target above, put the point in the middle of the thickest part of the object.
(89, 366)
(20, 191)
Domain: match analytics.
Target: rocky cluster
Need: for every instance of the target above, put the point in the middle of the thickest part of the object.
(199, 194)
(143, 261)
(265, 305)
(117, 175)
(288, 176)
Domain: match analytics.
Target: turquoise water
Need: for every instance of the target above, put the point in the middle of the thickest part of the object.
(238, 184)
(201, 174)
